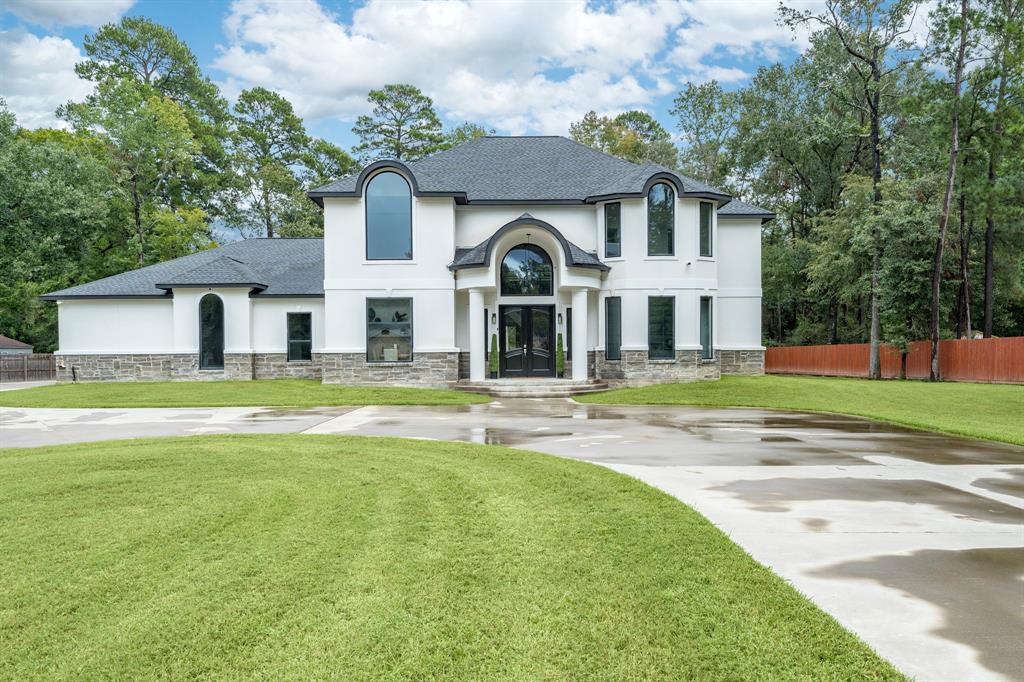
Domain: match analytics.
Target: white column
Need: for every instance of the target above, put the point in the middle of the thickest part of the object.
(477, 370)
(579, 335)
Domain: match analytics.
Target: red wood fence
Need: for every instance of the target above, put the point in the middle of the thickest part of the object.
(984, 360)
(27, 367)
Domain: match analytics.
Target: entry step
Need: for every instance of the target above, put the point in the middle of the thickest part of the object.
(531, 388)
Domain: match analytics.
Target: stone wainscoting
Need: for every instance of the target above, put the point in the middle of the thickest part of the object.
(150, 367)
(276, 366)
(426, 369)
(636, 368)
(591, 366)
(748, 362)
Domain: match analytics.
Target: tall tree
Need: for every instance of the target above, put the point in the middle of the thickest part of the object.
(869, 31)
(632, 135)
(465, 132)
(947, 201)
(706, 117)
(403, 125)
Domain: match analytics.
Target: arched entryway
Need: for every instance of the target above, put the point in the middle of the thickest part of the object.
(211, 332)
(527, 330)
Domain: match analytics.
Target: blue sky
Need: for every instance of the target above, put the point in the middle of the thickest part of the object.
(519, 68)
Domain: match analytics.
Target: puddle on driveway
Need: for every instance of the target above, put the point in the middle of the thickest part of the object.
(777, 494)
(1013, 485)
(978, 590)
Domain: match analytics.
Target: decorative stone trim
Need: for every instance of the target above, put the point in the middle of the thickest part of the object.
(746, 362)
(150, 367)
(426, 369)
(464, 365)
(591, 365)
(636, 368)
(276, 366)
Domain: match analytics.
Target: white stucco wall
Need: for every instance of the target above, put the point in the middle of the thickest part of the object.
(270, 320)
(115, 326)
(739, 282)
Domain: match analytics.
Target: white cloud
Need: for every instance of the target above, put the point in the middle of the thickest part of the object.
(37, 75)
(52, 13)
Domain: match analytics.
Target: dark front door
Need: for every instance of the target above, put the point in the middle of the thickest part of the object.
(527, 340)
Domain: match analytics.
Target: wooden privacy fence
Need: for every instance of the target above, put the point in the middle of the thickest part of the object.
(984, 360)
(27, 367)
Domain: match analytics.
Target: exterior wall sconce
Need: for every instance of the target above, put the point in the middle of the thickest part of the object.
(494, 318)
(559, 319)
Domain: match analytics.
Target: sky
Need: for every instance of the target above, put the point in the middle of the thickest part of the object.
(516, 67)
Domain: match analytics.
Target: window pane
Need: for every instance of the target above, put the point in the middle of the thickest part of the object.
(705, 328)
(300, 351)
(211, 332)
(660, 327)
(388, 218)
(661, 202)
(705, 229)
(612, 230)
(389, 329)
(613, 328)
(300, 336)
(568, 333)
(526, 271)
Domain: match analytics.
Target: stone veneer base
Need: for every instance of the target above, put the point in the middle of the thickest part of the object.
(635, 368)
(745, 362)
(182, 367)
(426, 369)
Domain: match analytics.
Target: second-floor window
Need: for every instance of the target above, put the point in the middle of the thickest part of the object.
(613, 230)
(388, 218)
(661, 216)
(706, 213)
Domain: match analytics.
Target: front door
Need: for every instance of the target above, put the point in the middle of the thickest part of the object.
(527, 340)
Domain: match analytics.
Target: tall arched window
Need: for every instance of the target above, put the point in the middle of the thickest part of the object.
(388, 218)
(211, 332)
(526, 271)
(661, 217)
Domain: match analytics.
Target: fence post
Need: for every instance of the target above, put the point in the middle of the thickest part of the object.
(24, 367)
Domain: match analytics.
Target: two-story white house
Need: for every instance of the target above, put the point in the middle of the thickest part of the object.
(646, 275)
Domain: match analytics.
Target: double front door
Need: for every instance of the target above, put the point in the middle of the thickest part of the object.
(527, 340)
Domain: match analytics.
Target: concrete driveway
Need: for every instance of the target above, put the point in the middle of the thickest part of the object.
(914, 541)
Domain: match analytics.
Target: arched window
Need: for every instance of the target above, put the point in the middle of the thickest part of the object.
(661, 217)
(211, 332)
(527, 271)
(388, 218)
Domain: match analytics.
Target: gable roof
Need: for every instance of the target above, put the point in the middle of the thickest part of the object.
(12, 344)
(479, 256)
(526, 170)
(740, 209)
(272, 267)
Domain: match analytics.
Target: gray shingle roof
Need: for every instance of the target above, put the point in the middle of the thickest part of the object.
(740, 209)
(479, 255)
(495, 169)
(284, 267)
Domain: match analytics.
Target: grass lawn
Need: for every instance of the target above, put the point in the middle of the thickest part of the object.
(271, 393)
(307, 557)
(991, 411)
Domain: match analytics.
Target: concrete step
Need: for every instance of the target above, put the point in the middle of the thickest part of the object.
(531, 388)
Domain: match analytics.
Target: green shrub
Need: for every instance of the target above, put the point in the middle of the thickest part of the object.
(559, 356)
(494, 354)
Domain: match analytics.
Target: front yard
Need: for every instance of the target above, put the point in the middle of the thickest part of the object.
(269, 393)
(990, 411)
(309, 557)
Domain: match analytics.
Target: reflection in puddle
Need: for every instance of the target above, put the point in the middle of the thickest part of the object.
(1012, 485)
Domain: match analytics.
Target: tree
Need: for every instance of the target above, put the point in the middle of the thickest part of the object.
(954, 148)
(464, 133)
(403, 125)
(706, 117)
(634, 135)
(325, 162)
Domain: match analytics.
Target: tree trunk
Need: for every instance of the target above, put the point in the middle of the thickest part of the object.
(965, 281)
(954, 149)
(875, 360)
(990, 223)
(268, 217)
(137, 216)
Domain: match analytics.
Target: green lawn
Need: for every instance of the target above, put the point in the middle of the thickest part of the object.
(311, 557)
(994, 412)
(273, 393)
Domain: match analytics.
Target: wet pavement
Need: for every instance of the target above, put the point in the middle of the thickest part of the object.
(914, 541)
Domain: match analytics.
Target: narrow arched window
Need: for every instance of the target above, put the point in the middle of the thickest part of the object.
(661, 217)
(527, 271)
(211, 332)
(388, 218)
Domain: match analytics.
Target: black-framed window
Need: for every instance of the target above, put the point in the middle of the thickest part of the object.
(211, 332)
(707, 210)
(568, 333)
(661, 217)
(706, 349)
(389, 330)
(661, 337)
(612, 230)
(300, 337)
(613, 328)
(526, 271)
(388, 218)
(487, 340)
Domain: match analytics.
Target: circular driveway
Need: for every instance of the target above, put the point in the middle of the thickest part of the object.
(913, 540)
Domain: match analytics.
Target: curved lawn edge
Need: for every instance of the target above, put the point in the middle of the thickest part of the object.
(429, 557)
(281, 393)
(983, 411)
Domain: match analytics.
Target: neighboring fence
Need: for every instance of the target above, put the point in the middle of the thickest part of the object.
(984, 360)
(27, 367)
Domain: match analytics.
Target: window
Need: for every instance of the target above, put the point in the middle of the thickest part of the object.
(706, 350)
(487, 341)
(706, 211)
(661, 212)
(211, 332)
(388, 218)
(612, 230)
(661, 342)
(389, 330)
(300, 337)
(568, 333)
(526, 271)
(613, 328)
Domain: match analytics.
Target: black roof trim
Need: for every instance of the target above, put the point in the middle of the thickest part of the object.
(260, 294)
(210, 285)
(89, 297)
(528, 220)
(318, 197)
